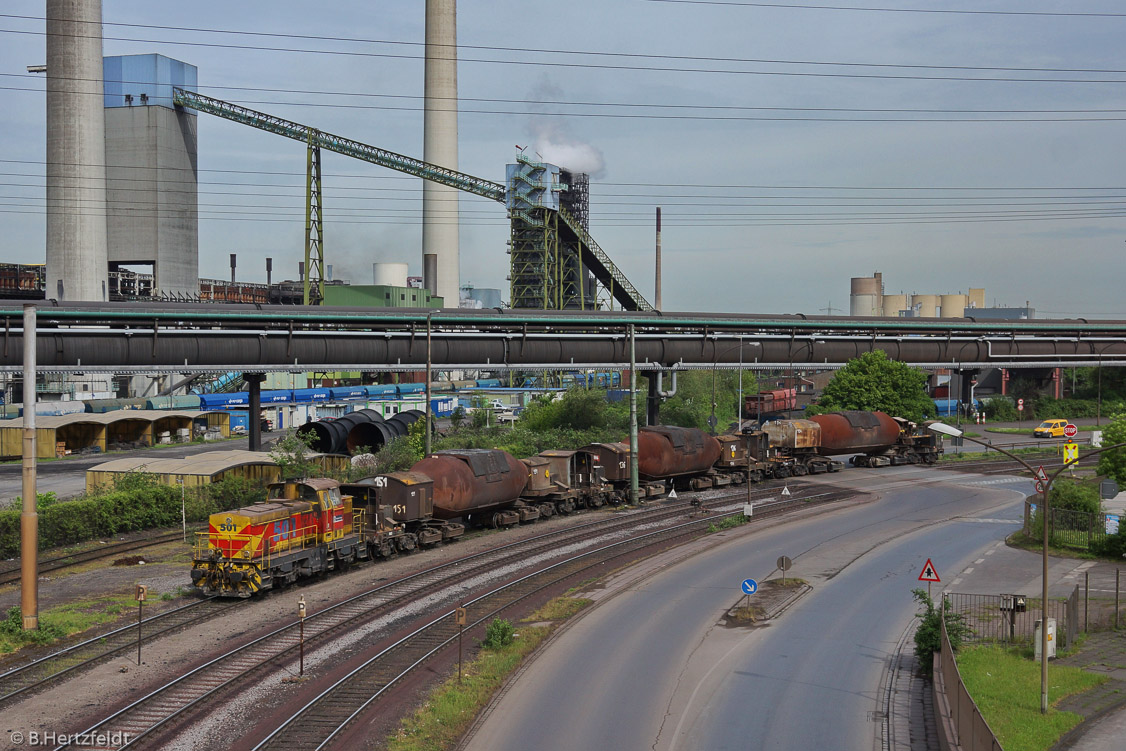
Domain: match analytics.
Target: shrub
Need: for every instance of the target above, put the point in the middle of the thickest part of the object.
(1073, 495)
(1111, 546)
(928, 637)
(500, 633)
(136, 502)
(1000, 410)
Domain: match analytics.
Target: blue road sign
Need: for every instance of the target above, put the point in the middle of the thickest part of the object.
(750, 586)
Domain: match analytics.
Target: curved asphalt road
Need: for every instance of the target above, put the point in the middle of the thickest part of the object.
(652, 669)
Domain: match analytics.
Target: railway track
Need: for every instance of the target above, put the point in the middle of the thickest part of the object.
(1002, 464)
(67, 662)
(10, 570)
(149, 721)
(324, 719)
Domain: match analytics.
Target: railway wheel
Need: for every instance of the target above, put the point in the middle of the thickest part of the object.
(800, 470)
(781, 472)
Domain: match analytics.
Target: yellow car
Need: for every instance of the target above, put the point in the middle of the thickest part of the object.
(1050, 429)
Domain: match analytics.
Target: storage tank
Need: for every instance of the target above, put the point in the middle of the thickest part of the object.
(468, 481)
(389, 274)
(666, 451)
(893, 304)
(926, 305)
(865, 297)
(953, 306)
(855, 432)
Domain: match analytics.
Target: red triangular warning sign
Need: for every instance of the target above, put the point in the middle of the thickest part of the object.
(929, 574)
(1040, 475)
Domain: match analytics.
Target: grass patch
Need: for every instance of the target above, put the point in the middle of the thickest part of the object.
(558, 609)
(1034, 543)
(445, 716)
(729, 522)
(1006, 686)
(61, 621)
(449, 710)
(984, 455)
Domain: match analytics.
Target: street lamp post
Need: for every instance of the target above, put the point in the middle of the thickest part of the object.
(1045, 486)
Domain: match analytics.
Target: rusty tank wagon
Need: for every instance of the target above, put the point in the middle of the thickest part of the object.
(477, 484)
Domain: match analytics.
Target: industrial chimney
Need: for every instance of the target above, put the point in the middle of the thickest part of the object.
(440, 254)
(77, 256)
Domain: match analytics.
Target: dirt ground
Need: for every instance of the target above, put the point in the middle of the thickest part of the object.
(166, 570)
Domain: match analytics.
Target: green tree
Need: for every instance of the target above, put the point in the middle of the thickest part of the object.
(1113, 463)
(873, 382)
(577, 408)
(292, 454)
(416, 438)
(696, 390)
(457, 417)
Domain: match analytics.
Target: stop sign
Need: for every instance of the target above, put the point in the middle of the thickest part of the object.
(1070, 430)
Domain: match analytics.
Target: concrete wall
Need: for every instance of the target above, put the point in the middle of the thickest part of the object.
(151, 147)
(439, 146)
(76, 156)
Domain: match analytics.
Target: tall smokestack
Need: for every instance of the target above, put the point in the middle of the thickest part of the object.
(77, 260)
(440, 254)
(657, 285)
(233, 258)
(269, 270)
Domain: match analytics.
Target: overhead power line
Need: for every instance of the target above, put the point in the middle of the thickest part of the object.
(300, 176)
(565, 103)
(868, 9)
(1078, 118)
(558, 51)
(652, 68)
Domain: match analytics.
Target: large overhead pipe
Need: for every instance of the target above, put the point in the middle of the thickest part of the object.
(192, 338)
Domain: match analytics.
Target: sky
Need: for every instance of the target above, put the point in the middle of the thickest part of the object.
(791, 145)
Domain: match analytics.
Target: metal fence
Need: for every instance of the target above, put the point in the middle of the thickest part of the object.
(1097, 603)
(972, 731)
(1103, 599)
(1011, 619)
(1073, 529)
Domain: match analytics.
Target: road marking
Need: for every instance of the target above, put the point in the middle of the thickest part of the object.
(1000, 481)
(979, 520)
(979, 561)
(958, 581)
(970, 570)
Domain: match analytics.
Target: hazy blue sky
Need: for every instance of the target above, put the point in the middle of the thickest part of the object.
(790, 148)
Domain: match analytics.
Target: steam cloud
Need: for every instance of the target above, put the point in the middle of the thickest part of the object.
(553, 142)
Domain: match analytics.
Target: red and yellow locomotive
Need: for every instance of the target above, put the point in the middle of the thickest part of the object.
(305, 527)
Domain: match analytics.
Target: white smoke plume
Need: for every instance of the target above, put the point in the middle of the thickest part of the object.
(552, 140)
